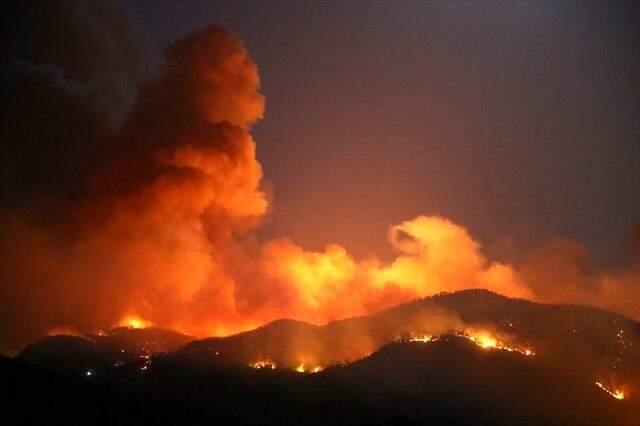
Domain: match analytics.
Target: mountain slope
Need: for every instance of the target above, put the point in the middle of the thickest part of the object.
(450, 381)
(380, 369)
(597, 344)
(94, 352)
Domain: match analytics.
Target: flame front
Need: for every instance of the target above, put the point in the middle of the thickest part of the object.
(481, 338)
(616, 393)
(268, 364)
(486, 340)
(424, 338)
(302, 369)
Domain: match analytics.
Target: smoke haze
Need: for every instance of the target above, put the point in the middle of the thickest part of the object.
(129, 192)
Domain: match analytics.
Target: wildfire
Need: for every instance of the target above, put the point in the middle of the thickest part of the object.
(258, 365)
(425, 338)
(194, 198)
(302, 369)
(483, 339)
(132, 321)
(486, 340)
(616, 393)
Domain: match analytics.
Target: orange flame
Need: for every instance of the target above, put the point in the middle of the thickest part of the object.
(615, 393)
(302, 369)
(258, 365)
(425, 338)
(481, 338)
(133, 321)
(486, 340)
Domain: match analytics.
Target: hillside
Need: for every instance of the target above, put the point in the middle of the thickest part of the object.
(471, 357)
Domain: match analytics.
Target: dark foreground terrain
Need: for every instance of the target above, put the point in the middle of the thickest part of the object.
(156, 377)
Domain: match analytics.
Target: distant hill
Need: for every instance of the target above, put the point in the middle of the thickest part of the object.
(449, 381)
(453, 381)
(92, 352)
(471, 357)
(596, 343)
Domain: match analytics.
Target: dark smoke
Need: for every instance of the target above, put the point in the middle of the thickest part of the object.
(69, 75)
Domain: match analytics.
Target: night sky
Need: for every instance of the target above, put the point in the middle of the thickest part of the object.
(520, 120)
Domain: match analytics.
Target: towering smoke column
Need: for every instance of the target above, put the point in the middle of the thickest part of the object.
(151, 219)
(162, 211)
(185, 187)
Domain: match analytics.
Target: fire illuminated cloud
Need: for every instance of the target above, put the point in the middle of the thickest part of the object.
(161, 232)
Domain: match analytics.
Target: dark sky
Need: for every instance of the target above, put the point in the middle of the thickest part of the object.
(514, 119)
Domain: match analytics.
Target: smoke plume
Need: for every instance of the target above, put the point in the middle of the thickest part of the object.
(133, 194)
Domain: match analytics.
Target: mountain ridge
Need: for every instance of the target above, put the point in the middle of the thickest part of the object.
(471, 357)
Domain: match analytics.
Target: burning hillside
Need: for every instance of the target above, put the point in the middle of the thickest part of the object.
(580, 341)
(160, 225)
(413, 379)
(144, 276)
(97, 352)
(482, 338)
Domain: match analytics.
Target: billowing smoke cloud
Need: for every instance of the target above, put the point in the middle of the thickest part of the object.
(435, 255)
(174, 188)
(117, 208)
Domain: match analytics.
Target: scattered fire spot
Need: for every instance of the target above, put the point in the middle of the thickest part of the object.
(146, 362)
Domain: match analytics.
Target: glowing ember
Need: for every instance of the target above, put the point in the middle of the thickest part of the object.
(146, 362)
(133, 321)
(616, 393)
(263, 364)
